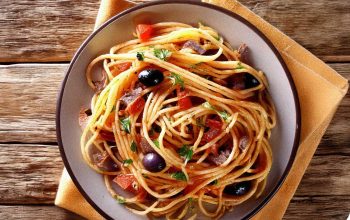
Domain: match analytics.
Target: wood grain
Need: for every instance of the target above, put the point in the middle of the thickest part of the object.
(326, 175)
(299, 208)
(318, 207)
(36, 212)
(30, 100)
(52, 30)
(30, 174)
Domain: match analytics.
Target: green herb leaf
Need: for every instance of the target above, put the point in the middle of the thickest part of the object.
(156, 142)
(215, 182)
(121, 200)
(239, 66)
(217, 37)
(179, 176)
(208, 106)
(127, 162)
(177, 80)
(125, 122)
(133, 146)
(186, 152)
(190, 204)
(223, 114)
(140, 56)
(162, 54)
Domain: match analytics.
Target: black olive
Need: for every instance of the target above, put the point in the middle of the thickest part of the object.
(151, 77)
(237, 189)
(153, 162)
(250, 81)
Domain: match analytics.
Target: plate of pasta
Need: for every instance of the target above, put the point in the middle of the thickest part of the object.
(177, 110)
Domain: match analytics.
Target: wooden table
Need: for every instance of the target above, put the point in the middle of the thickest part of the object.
(37, 40)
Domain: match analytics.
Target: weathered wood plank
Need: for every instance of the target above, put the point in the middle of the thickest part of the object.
(318, 207)
(28, 108)
(311, 23)
(50, 30)
(36, 212)
(30, 102)
(45, 30)
(30, 174)
(326, 175)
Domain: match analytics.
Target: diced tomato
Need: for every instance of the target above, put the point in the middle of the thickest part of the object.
(142, 195)
(106, 135)
(110, 120)
(121, 68)
(138, 138)
(210, 135)
(124, 66)
(192, 185)
(211, 123)
(144, 31)
(261, 163)
(136, 106)
(214, 149)
(127, 182)
(184, 101)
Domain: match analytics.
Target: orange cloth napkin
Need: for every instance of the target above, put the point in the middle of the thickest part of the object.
(318, 102)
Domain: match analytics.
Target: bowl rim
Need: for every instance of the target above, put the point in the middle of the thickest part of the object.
(197, 3)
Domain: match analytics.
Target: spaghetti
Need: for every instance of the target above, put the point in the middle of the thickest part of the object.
(179, 121)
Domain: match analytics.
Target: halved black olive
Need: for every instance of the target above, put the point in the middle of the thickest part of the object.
(153, 162)
(151, 77)
(250, 81)
(237, 189)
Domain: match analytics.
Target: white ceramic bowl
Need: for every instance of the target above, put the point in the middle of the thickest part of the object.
(75, 93)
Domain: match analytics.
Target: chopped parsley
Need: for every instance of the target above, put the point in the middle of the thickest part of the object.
(125, 123)
(239, 66)
(127, 162)
(223, 114)
(162, 54)
(208, 106)
(191, 204)
(140, 56)
(156, 142)
(121, 200)
(217, 37)
(179, 176)
(133, 146)
(215, 182)
(186, 152)
(177, 80)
